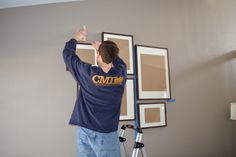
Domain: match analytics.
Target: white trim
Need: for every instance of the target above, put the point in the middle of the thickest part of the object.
(22, 3)
(233, 111)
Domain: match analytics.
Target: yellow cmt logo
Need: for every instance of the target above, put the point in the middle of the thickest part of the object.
(106, 81)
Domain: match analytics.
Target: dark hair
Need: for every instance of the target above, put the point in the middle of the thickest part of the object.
(108, 51)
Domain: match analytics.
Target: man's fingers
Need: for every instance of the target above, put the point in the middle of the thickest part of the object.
(96, 44)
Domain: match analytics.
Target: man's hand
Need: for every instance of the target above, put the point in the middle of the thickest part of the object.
(80, 35)
(96, 44)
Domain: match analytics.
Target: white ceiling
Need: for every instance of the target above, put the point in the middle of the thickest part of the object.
(20, 3)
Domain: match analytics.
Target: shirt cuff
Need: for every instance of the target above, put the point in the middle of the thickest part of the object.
(73, 41)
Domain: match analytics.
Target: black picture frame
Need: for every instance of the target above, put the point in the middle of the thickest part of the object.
(152, 95)
(122, 40)
(141, 115)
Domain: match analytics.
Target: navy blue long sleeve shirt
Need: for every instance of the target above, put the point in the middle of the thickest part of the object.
(98, 102)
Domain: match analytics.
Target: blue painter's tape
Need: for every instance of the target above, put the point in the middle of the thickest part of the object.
(171, 100)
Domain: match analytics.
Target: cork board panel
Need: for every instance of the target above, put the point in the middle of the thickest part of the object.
(123, 49)
(124, 103)
(152, 115)
(86, 55)
(153, 73)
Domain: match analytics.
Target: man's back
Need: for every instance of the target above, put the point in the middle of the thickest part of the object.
(99, 96)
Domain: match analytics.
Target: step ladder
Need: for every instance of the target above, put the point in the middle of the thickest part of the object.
(138, 145)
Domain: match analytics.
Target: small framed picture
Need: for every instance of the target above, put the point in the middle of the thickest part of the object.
(127, 104)
(125, 44)
(152, 73)
(152, 115)
(86, 53)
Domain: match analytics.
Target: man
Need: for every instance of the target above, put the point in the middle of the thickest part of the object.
(97, 107)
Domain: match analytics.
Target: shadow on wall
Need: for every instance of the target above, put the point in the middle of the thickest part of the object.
(204, 67)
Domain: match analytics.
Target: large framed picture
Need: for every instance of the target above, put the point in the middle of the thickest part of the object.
(86, 53)
(152, 72)
(125, 44)
(152, 115)
(127, 104)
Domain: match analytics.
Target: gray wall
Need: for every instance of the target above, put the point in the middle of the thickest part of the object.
(37, 94)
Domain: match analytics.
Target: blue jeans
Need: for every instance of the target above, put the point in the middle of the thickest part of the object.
(95, 144)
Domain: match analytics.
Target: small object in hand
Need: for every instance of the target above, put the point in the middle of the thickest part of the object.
(81, 34)
(84, 33)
